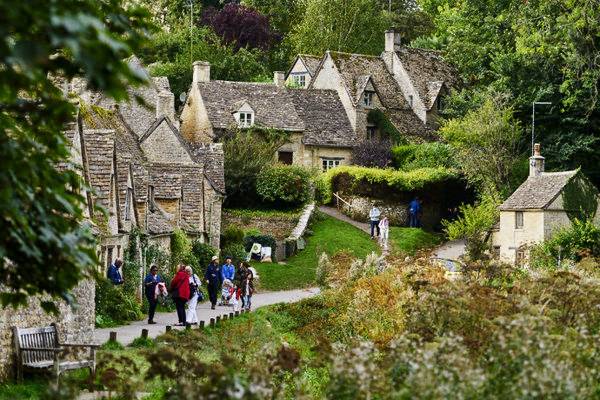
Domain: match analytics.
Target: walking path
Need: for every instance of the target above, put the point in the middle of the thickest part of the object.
(127, 333)
(451, 250)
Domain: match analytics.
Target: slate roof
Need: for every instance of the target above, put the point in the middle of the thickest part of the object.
(272, 105)
(427, 71)
(538, 192)
(159, 221)
(310, 62)
(355, 70)
(326, 122)
(211, 157)
(99, 147)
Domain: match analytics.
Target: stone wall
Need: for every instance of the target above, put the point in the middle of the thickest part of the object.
(397, 212)
(75, 325)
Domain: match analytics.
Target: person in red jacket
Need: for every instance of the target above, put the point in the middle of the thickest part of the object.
(180, 290)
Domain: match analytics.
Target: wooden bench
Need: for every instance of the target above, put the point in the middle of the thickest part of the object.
(39, 349)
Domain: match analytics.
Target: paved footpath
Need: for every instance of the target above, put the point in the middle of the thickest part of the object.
(127, 333)
(451, 250)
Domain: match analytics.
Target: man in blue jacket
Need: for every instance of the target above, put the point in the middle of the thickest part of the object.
(227, 270)
(114, 272)
(414, 213)
(152, 279)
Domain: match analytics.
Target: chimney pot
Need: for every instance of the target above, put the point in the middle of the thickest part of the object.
(536, 161)
(393, 40)
(201, 72)
(279, 78)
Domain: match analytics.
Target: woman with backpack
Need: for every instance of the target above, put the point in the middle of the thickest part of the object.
(191, 316)
(180, 291)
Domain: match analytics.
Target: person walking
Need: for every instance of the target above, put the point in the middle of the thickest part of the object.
(212, 276)
(414, 213)
(228, 270)
(152, 279)
(114, 272)
(191, 316)
(374, 215)
(243, 270)
(247, 291)
(180, 291)
(384, 229)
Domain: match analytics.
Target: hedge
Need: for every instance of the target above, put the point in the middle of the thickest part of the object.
(284, 184)
(391, 179)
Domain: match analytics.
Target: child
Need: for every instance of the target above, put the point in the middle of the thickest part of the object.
(235, 299)
(384, 230)
(248, 290)
(226, 292)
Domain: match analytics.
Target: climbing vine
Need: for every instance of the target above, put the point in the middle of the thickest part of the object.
(385, 126)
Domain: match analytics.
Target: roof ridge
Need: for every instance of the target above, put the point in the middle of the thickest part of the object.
(353, 54)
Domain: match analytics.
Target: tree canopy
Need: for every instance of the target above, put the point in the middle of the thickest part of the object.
(44, 249)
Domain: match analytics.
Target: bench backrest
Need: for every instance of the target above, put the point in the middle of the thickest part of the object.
(45, 337)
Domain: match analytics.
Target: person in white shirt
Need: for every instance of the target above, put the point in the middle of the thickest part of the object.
(374, 219)
(191, 317)
(384, 229)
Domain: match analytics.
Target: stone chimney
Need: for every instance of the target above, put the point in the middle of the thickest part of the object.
(201, 72)
(536, 162)
(392, 41)
(165, 105)
(279, 78)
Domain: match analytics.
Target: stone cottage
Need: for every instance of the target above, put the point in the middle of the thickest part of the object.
(545, 202)
(302, 70)
(321, 134)
(407, 84)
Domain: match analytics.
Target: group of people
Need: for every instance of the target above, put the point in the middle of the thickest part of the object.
(380, 226)
(236, 285)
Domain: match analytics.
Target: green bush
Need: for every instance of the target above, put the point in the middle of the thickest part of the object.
(181, 250)
(232, 235)
(572, 243)
(114, 306)
(203, 252)
(284, 185)
(388, 180)
(236, 252)
(426, 155)
(264, 240)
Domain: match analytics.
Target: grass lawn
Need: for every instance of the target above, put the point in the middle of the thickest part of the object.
(329, 235)
(409, 240)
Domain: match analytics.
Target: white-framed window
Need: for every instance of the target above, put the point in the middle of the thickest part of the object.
(246, 119)
(519, 220)
(368, 98)
(299, 80)
(329, 163)
(371, 132)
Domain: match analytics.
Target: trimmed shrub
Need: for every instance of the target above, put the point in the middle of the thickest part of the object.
(232, 235)
(203, 252)
(284, 184)
(380, 181)
(113, 306)
(264, 240)
(181, 250)
(426, 155)
(236, 252)
(373, 153)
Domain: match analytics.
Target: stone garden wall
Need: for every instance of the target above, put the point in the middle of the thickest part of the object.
(75, 325)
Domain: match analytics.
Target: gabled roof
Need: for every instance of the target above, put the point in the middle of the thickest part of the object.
(310, 61)
(157, 123)
(538, 192)
(324, 116)
(427, 70)
(273, 107)
(210, 155)
(99, 148)
(354, 70)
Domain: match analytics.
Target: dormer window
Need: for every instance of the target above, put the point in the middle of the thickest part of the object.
(299, 80)
(246, 119)
(368, 98)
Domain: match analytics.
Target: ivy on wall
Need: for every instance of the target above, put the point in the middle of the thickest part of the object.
(580, 198)
(385, 126)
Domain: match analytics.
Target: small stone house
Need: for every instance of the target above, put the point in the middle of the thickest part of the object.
(545, 202)
(321, 134)
(408, 84)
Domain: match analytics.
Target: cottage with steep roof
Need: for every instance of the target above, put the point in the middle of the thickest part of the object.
(544, 203)
(321, 134)
(302, 70)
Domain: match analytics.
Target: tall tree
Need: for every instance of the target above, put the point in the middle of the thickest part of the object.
(342, 25)
(43, 248)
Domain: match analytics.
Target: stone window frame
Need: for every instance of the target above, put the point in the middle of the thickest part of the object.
(245, 119)
(519, 219)
(368, 96)
(330, 162)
